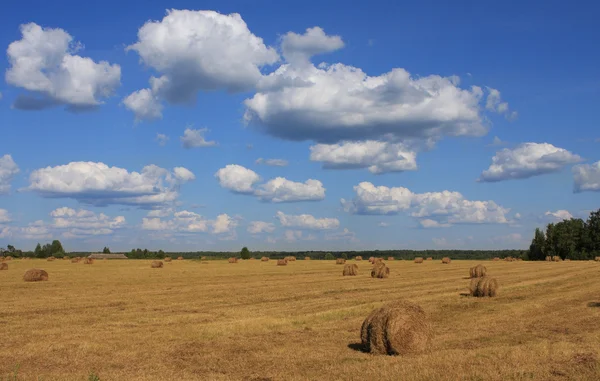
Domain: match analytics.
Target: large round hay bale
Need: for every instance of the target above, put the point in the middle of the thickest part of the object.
(484, 286)
(307, 258)
(358, 258)
(419, 260)
(430, 258)
(3, 266)
(371, 259)
(264, 259)
(390, 258)
(556, 258)
(156, 264)
(397, 328)
(477, 271)
(282, 262)
(446, 260)
(340, 261)
(35, 275)
(168, 259)
(180, 258)
(380, 270)
(50, 259)
(88, 261)
(350, 269)
(232, 260)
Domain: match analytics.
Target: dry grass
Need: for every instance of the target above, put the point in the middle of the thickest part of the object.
(219, 322)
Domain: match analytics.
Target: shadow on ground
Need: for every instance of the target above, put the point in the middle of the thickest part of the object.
(357, 347)
(594, 304)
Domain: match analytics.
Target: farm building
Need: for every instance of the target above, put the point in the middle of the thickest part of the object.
(107, 256)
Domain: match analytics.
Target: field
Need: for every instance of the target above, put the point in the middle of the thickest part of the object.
(122, 320)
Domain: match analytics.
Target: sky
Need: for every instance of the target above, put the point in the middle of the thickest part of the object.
(211, 125)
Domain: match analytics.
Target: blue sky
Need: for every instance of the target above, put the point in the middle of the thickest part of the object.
(428, 125)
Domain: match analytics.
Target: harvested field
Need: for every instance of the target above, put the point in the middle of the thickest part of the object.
(199, 321)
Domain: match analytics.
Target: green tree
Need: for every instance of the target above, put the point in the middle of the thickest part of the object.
(329, 257)
(245, 253)
(593, 231)
(56, 248)
(344, 255)
(161, 254)
(38, 251)
(537, 247)
(106, 250)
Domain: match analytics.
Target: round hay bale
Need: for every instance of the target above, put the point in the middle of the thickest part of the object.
(518, 259)
(391, 258)
(168, 259)
(372, 259)
(3, 266)
(66, 258)
(350, 269)
(252, 259)
(477, 271)
(548, 258)
(430, 258)
(88, 261)
(202, 258)
(8, 258)
(156, 264)
(495, 259)
(233, 260)
(567, 260)
(556, 258)
(35, 275)
(75, 260)
(50, 259)
(419, 259)
(358, 258)
(397, 328)
(484, 286)
(307, 258)
(291, 259)
(264, 259)
(282, 262)
(340, 261)
(597, 259)
(180, 258)
(380, 270)
(446, 260)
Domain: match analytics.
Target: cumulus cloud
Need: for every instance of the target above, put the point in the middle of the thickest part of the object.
(8, 170)
(83, 223)
(200, 51)
(195, 138)
(299, 48)
(494, 103)
(445, 208)
(162, 139)
(44, 63)
(378, 157)
(527, 160)
(257, 227)
(272, 162)
(4, 216)
(238, 179)
(427, 224)
(497, 142)
(559, 215)
(189, 222)
(297, 235)
(98, 184)
(586, 177)
(307, 221)
(144, 104)
(281, 189)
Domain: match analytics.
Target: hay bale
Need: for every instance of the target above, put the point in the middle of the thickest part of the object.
(8, 258)
(358, 258)
(264, 259)
(180, 258)
(291, 259)
(446, 260)
(380, 270)
(548, 258)
(168, 259)
(282, 262)
(3, 266)
(567, 260)
(518, 259)
(50, 259)
(495, 259)
(419, 259)
(430, 258)
(372, 259)
(597, 259)
(307, 258)
(75, 260)
(156, 264)
(390, 258)
(88, 261)
(35, 275)
(232, 260)
(350, 269)
(484, 286)
(340, 261)
(397, 328)
(556, 258)
(66, 258)
(477, 271)
(202, 258)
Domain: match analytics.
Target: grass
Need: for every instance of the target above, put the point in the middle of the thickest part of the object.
(257, 321)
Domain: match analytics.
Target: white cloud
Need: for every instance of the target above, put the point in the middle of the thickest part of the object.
(559, 215)
(586, 177)
(272, 162)
(195, 138)
(307, 221)
(281, 189)
(344, 235)
(237, 178)
(379, 157)
(297, 235)
(83, 223)
(189, 222)
(494, 103)
(427, 224)
(298, 48)
(4, 216)
(257, 227)
(8, 170)
(497, 142)
(200, 51)
(100, 185)
(527, 160)
(333, 103)
(445, 208)
(144, 105)
(383, 224)
(223, 224)
(184, 175)
(43, 62)
(162, 139)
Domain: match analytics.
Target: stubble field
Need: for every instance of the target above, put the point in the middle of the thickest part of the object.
(122, 320)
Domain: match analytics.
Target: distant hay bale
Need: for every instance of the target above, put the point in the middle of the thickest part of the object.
(202, 258)
(50, 259)
(8, 258)
(495, 259)
(233, 260)
(380, 270)
(378, 261)
(358, 258)
(75, 260)
(307, 258)
(282, 262)
(567, 260)
(548, 258)
(372, 259)
(597, 259)
(180, 258)
(430, 258)
(518, 259)
(88, 261)
(340, 261)
(509, 259)
(35, 275)
(291, 259)
(3, 266)
(66, 258)
(264, 259)
(477, 271)
(350, 269)
(168, 259)
(484, 286)
(156, 264)
(556, 258)
(446, 260)
(390, 258)
(397, 328)
(419, 259)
